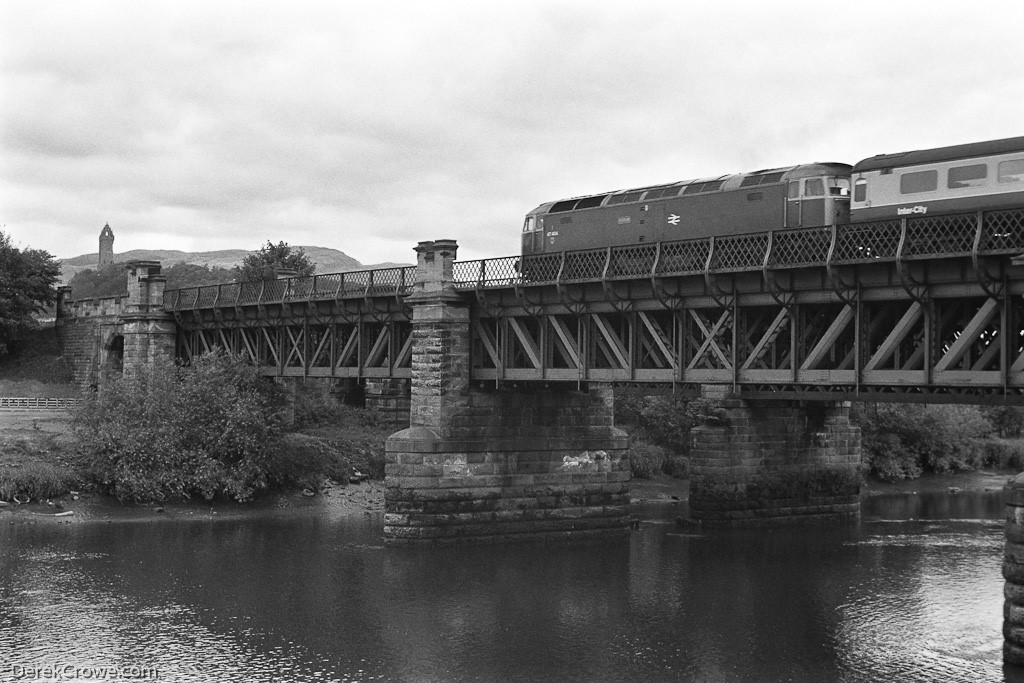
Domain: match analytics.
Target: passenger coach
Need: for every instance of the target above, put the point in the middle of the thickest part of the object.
(980, 176)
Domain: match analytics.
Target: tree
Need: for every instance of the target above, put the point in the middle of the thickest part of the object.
(1007, 420)
(108, 281)
(111, 280)
(167, 431)
(183, 274)
(262, 264)
(27, 279)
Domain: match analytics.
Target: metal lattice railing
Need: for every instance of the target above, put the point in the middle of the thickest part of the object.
(866, 242)
(800, 247)
(919, 237)
(382, 282)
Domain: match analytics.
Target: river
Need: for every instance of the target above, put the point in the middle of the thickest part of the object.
(912, 592)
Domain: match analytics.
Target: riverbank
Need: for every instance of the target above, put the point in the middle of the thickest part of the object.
(38, 444)
(367, 498)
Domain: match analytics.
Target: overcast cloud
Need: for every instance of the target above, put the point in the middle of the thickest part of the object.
(216, 125)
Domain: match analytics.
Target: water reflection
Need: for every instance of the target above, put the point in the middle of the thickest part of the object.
(296, 599)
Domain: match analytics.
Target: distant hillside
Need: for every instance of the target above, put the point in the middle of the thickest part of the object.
(326, 260)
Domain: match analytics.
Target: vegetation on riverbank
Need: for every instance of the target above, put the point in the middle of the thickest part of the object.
(214, 429)
(900, 441)
(659, 429)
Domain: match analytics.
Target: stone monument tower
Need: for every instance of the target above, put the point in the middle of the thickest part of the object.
(106, 246)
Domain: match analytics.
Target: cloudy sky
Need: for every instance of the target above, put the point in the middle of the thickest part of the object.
(370, 126)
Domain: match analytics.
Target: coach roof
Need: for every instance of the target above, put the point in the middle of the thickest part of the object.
(927, 156)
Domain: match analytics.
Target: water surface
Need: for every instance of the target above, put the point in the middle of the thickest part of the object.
(913, 592)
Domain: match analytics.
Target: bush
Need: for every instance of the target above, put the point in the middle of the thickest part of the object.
(902, 440)
(314, 405)
(1004, 454)
(1007, 420)
(168, 431)
(305, 461)
(663, 421)
(645, 459)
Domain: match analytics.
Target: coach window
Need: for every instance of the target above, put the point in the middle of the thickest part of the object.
(921, 181)
(966, 176)
(1011, 171)
(860, 190)
(814, 187)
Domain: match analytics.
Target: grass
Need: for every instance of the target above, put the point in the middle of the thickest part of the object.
(36, 467)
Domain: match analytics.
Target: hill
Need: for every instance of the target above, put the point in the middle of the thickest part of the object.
(326, 260)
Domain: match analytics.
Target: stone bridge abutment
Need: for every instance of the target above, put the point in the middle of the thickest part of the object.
(478, 463)
(770, 461)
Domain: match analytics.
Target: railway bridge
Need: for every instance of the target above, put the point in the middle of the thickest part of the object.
(508, 365)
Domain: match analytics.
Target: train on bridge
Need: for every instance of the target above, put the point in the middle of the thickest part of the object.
(979, 176)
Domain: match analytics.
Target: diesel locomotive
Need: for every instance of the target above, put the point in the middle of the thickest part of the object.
(978, 176)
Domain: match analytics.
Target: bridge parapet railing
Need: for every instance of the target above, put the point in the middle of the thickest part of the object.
(921, 237)
(361, 283)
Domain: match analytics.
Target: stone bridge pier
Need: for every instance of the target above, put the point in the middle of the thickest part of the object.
(753, 462)
(149, 331)
(482, 463)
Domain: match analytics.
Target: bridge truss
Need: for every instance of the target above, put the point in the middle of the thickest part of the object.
(928, 309)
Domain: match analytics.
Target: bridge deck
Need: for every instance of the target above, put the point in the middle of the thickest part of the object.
(923, 308)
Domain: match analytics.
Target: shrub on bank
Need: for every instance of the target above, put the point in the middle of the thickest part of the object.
(300, 460)
(660, 430)
(901, 441)
(1004, 454)
(645, 459)
(167, 431)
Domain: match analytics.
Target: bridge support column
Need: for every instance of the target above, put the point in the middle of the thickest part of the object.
(488, 464)
(1013, 572)
(148, 330)
(770, 462)
(390, 398)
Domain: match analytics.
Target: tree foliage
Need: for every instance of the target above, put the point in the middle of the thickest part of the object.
(27, 286)
(111, 280)
(901, 441)
(168, 431)
(1007, 420)
(108, 281)
(262, 265)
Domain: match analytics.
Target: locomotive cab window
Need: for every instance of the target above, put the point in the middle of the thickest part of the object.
(590, 202)
(860, 190)
(966, 176)
(920, 181)
(814, 187)
(528, 225)
(1011, 171)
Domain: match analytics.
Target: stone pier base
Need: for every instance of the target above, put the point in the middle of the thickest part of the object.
(772, 462)
(1013, 572)
(522, 465)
